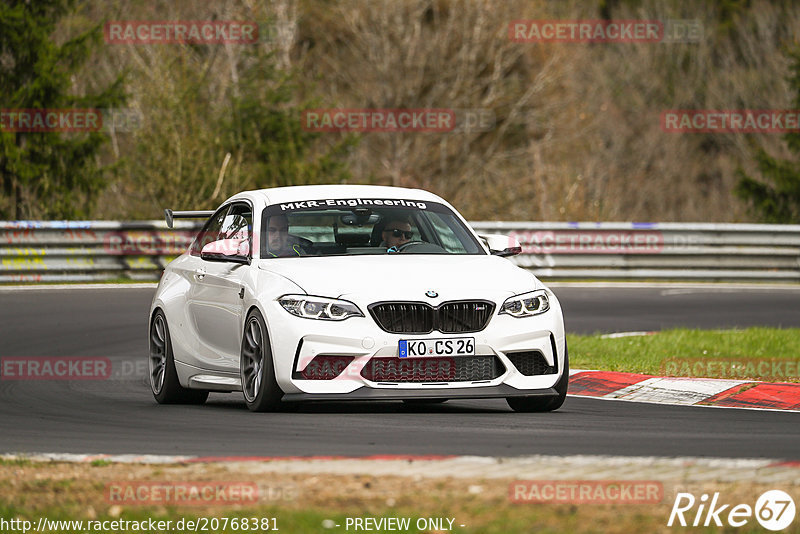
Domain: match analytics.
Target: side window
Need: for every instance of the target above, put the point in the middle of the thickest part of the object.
(210, 231)
(238, 224)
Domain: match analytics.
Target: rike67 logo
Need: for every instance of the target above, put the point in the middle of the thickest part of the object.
(774, 510)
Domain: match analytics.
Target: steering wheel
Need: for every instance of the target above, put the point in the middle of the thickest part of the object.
(424, 246)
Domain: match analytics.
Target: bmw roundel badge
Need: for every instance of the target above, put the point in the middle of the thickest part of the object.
(431, 293)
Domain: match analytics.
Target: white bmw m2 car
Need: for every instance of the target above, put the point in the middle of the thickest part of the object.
(350, 292)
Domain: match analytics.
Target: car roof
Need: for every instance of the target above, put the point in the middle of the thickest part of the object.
(297, 193)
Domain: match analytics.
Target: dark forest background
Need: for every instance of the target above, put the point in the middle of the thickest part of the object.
(576, 131)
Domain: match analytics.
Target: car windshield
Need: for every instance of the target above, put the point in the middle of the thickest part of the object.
(351, 227)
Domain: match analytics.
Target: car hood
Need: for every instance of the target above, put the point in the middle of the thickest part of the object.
(405, 277)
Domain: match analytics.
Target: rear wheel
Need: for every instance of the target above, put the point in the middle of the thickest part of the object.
(260, 389)
(164, 381)
(546, 403)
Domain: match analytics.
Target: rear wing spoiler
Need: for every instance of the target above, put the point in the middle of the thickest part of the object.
(170, 215)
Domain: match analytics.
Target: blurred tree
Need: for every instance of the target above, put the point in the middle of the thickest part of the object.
(47, 174)
(219, 123)
(266, 125)
(776, 200)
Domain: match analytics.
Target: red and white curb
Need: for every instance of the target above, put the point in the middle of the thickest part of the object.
(538, 467)
(685, 391)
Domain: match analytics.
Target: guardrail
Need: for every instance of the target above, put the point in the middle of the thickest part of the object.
(84, 251)
(680, 251)
(74, 251)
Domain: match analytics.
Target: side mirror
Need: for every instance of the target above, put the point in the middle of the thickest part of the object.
(232, 250)
(501, 245)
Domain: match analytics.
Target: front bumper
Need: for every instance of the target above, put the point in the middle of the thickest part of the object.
(297, 341)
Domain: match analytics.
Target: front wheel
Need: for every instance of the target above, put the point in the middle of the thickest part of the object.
(164, 381)
(260, 389)
(544, 404)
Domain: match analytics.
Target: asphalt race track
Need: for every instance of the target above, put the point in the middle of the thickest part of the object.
(119, 415)
(624, 308)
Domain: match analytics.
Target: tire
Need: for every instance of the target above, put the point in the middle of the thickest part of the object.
(164, 381)
(544, 404)
(256, 368)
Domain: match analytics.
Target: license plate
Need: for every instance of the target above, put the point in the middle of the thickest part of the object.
(451, 346)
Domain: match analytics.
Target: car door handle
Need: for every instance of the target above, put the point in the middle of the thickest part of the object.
(200, 273)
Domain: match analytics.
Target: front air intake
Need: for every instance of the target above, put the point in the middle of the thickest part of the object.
(433, 369)
(531, 363)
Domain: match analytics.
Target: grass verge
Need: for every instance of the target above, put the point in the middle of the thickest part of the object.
(308, 503)
(766, 354)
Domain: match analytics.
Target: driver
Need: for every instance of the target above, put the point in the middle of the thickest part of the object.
(278, 238)
(396, 233)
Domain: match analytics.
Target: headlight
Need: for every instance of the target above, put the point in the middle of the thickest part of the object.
(527, 304)
(319, 307)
